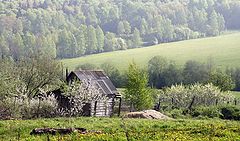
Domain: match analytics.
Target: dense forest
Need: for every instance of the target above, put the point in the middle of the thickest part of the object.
(73, 28)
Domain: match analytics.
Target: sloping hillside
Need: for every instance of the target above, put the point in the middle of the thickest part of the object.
(225, 50)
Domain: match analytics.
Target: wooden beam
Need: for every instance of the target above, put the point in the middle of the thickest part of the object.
(120, 104)
(95, 108)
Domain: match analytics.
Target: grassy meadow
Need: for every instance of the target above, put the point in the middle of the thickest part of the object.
(124, 129)
(223, 49)
(235, 93)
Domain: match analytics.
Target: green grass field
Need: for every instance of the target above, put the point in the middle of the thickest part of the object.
(225, 50)
(118, 129)
(236, 94)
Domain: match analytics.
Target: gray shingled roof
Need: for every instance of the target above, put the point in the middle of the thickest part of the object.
(98, 78)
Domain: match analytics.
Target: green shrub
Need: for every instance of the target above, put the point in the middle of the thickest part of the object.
(230, 112)
(210, 112)
(176, 113)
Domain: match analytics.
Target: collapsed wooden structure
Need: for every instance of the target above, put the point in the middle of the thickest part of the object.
(103, 84)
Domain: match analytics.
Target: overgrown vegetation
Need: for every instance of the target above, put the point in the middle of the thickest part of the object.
(198, 101)
(24, 85)
(27, 86)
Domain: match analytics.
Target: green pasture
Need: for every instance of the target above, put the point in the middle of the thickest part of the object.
(224, 50)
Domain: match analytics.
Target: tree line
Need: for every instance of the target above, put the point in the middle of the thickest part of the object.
(73, 28)
(164, 73)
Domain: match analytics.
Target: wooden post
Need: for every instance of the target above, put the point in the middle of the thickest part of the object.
(159, 104)
(105, 107)
(66, 74)
(95, 108)
(119, 108)
(235, 101)
(112, 108)
(38, 108)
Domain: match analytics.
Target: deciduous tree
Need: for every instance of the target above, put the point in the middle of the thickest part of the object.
(137, 93)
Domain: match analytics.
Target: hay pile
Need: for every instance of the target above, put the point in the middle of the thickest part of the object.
(147, 114)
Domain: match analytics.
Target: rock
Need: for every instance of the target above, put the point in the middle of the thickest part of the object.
(147, 114)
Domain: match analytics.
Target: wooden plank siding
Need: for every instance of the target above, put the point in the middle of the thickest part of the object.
(102, 108)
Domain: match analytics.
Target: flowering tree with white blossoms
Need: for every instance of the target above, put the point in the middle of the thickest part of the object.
(181, 96)
(20, 105)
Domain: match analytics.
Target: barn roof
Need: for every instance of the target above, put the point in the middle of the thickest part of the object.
(96, 77)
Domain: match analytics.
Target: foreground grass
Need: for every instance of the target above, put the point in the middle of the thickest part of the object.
(127, 129)
(223, 49)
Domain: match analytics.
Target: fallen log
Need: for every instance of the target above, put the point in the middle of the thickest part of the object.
(54, 131)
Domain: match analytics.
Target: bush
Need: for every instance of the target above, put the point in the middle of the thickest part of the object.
(222, 80)
(224, 112)
(230, 112)
(13, 107)
(176, 113)
(210, 112)
(9, 108)
(45, 108)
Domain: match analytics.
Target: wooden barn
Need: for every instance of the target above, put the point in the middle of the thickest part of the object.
(105, 85)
